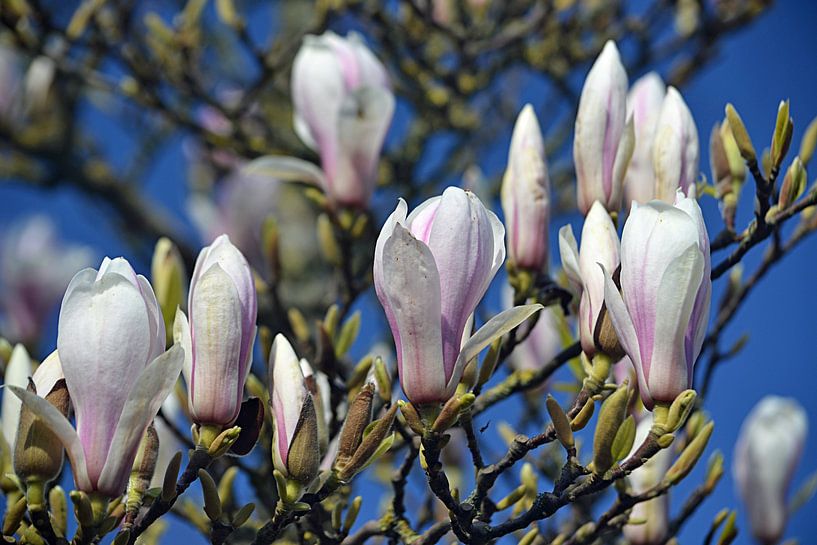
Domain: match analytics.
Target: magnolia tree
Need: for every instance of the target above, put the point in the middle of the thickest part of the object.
(323, 172)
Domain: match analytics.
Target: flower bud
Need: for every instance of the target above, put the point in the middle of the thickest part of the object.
(662, 312)
(644, 104)
(169, 280)
(219, 335)
(611, 415)
(769, 446)
(116, 388)
(343, 107)
(526, 195)
(295, 448)
(675, 148)
(428, 290)
(357, 418)
(603, 141)
(18, 369)
(744, 143)
(794, 184)
(38, 452)
(600, 245)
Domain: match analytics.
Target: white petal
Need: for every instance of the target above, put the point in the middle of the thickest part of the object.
(17, 372)
(412, 286)
(47, 374)
(149, 391)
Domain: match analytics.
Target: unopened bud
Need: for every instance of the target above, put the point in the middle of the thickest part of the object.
(82, 508)
(303, 458)
(508, 501)
(171, 473)
(58, 506)
(326, 239)
(382, 379)
(680, 409)
(560, 423)
(271, 246)
(168, 278)
(412, 417)
(212, 503)
(243, 515)
(809, 142)
(625, 437)
(143, 468)
(611, 416)
(529, 538)
(489, 363)
(451, 412)
(584, 416)
(605, 337)
(223, 441)
(747, 150)
(352, 513)
(730, 531)
(371, 446)
(298, 323)
(14, 516)
(794, 184)
(357, 418)
(38, 453)
(781, 139)
(348, 334)
(690, 456)
(714, 470)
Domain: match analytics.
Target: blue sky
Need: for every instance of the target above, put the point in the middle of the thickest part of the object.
(755, 69)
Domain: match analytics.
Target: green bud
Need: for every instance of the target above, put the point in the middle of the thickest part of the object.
(14, 516)
(412, 417)
(383, 379)
(225, 9)
(718, 161)
(529, 538)
(352, 513)
(794, 184)
(348, 334)
(508, 501)
(326, 239)
(730, 531)
(298, 324)
(714, 470)
(451, 411)
(359, 373)
(625, 437)
(665, 440)
(168, 278)
(82, 508)
(781, 139)
(359, 226)
(560, 423)
(690, 456)
(611, 416)
(171, 473)
(59, 509)
(486, 371)
(330, 321)
(744, 143)
(225, 485)
(584, 416)
(680, 409)
(142, 471)
(212, 502)
(223, 441)
(243, 515)
(809, 142)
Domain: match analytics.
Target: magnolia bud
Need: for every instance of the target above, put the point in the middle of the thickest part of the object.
(169, 280)
(794, 184)
(38, 453)
(611, 416)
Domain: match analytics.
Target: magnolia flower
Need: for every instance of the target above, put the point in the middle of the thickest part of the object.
(675, 149)
(430, 271)
(654, 512)
(35, 268)
(604, 139)
(661, 314)
(295, 450)
(219, 336)
(111, 341)
(526, 195)
(599, 246)
(343, 108)
(769, 446)
(644, 104)
(17, 372)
